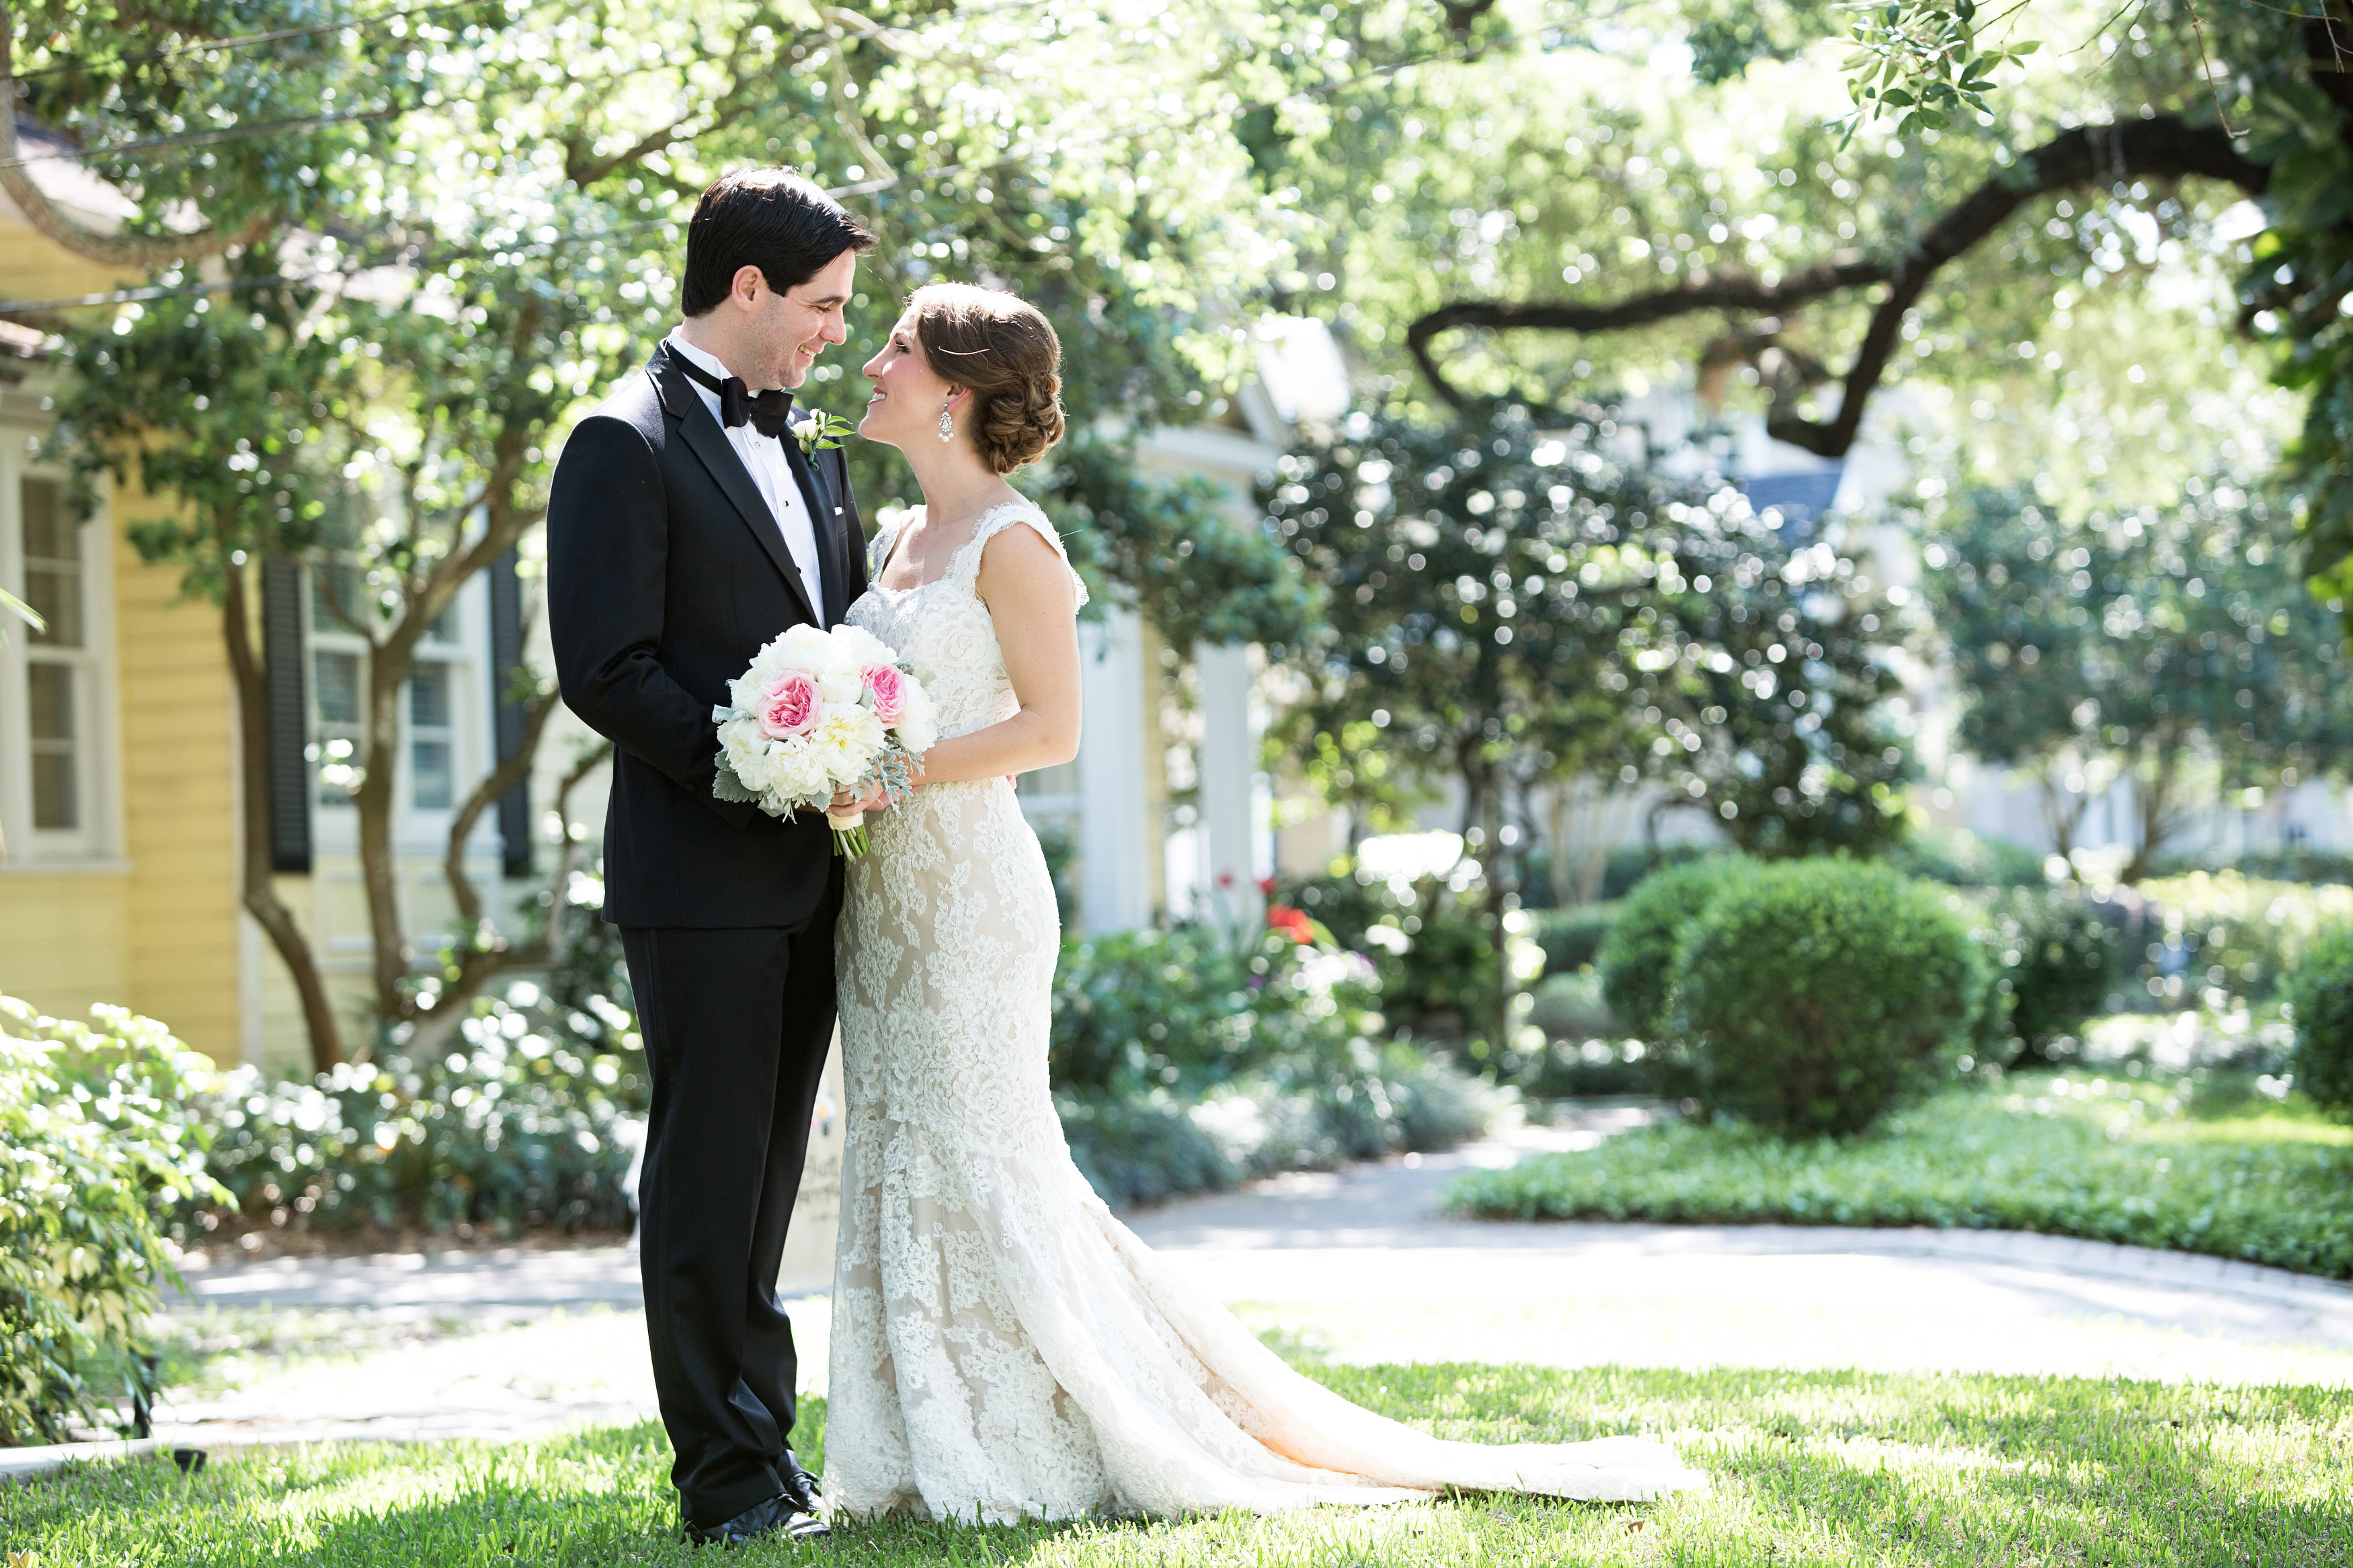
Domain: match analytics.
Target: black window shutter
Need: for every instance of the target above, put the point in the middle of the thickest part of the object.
(282, 656)
(507, 722)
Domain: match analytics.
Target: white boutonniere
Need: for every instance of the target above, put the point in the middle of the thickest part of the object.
(819, 431)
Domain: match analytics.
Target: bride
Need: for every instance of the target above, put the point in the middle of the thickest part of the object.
(1003, 1347)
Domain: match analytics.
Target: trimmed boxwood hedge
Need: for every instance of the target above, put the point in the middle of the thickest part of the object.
(1814, 996)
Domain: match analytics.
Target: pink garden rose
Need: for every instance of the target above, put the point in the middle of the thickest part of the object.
(886, 685)
(790, 707)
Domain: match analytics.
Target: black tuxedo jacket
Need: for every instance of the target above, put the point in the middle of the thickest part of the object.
(666, 573)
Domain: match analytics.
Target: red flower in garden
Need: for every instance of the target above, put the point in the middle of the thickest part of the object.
(1291, 923)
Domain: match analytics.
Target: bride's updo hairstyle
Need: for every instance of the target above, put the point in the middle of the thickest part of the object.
(1004, 351)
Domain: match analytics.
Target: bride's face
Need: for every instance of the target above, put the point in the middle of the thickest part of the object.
(908, 395)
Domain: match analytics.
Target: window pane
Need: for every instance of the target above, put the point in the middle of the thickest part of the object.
(338, 686)
(56, 802)
(52, 565)
(347, 585)
(430, 778)
(48, 532)
(51, 686)
(444, 629)
(428, 697)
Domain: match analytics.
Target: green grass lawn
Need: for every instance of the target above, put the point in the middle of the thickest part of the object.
(2211, 1165)
(1837, 1467)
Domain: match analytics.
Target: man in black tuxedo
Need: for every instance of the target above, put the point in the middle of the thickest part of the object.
(686, 529)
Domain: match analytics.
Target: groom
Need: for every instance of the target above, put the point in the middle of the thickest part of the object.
(687, 528)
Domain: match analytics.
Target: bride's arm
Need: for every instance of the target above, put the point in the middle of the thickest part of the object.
(1035, 609)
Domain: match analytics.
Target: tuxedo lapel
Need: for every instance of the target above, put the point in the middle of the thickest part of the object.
(709, 443)
(809, 472)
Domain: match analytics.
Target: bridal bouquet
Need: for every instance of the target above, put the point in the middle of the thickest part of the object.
(817, 712)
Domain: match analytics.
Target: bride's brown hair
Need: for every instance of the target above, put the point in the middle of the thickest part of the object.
(1004, 351)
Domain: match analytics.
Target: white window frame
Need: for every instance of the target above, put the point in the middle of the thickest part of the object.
(416, 830)
(94, 842)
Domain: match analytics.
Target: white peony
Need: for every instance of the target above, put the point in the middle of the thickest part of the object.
(746, 748)
(803, 647)
(841, 684)
(797, 775)
(860, 648)
(849, 737)
(918, 727)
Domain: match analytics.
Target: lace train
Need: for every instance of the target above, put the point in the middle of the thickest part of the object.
(1002, 1346)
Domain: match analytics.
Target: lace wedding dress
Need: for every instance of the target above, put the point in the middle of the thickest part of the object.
(1001, 1345)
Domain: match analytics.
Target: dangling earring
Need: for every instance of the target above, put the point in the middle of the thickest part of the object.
(947, 424)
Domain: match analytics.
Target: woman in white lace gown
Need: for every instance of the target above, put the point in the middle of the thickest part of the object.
(1002, 1346)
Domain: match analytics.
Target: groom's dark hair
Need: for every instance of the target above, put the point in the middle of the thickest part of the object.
(769, 218)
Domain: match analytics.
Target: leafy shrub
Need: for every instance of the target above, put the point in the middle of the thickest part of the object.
(2060, 957)
(1184, 1062)
(1637, 958)
(2135, 1163)
(2309, 866)
(1430, 943)
(1960, 858)
(1630, 864)
(1571, 1008)
(1143, 1150)
(527, 1125)
(1572, 937)
(1815, 995)
(97, 1158)
(2321, 992)
(2234, 933)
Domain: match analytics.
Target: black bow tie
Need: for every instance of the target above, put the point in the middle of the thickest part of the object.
(769, 411)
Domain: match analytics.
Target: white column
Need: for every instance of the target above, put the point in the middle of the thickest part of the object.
(1229, 762)
(1115, 826)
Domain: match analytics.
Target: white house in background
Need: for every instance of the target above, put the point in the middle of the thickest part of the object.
(1958, 791)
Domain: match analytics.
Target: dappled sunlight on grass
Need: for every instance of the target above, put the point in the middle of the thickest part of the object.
(1821, 1467)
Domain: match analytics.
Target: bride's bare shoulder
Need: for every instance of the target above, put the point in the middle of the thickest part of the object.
(1022, 559)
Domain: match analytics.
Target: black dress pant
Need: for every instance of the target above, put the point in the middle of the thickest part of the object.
(736, 1024)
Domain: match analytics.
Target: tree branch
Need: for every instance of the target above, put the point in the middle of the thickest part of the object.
(2165, 147)
(513, 771)
(124, 250)
(1743, 291)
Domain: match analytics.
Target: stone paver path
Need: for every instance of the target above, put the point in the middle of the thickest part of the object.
(1355, 1265)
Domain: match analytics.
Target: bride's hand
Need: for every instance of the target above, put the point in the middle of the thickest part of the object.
(874, 799)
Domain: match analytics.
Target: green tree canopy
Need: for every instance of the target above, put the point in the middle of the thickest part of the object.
(2170, 648)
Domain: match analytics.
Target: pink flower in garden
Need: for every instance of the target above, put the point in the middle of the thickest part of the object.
(790, 706)
(886, 686)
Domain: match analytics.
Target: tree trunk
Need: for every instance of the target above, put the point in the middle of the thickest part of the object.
(376, 802)
(259, 894)
(1483, 811)
(2153, 796)
(2060, 817)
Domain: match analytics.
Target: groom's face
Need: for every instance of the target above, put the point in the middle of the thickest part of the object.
(798, 325)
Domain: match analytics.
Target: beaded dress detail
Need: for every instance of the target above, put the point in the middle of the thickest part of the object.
(1002, 1346)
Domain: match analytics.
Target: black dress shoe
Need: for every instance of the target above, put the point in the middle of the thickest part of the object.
(778, 1519)
(808, 1483)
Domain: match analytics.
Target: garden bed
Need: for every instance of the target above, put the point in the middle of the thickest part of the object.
(1809, 1468)
(2211, 1164)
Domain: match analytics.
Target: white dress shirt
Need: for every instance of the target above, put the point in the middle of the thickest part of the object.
(764, 456)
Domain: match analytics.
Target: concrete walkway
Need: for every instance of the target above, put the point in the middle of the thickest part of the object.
(1354, 1266)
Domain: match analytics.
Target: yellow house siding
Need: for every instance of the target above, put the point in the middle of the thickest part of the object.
(179, 800)
(61, 939)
